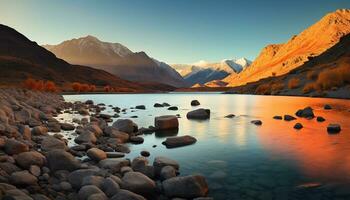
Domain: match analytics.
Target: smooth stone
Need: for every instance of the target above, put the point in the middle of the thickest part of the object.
(40, 130)
(306, 113)
(125, 125)
(8, 167)
(13, 146)
(99, 196)
(110, 187)
(35, 170)
(256, 122)
(186, 187)
(327, 107)
(173, 108)
(23, 178)
(230, 116)
(65, 186)
(158, 105)
(277, 117)
(289, 118)
(105, 116)
(145, 153)
(51, 143)
(67, 126)
(115, 155)
(26, 159)
(140, 107)
(320, 119)
(95, 129)
(127, 195)
(167, 172)
(96, 154)
(138, 183)
(136, 139)
(298, 126)
(86, 137)
(92, 180)
(195, 103)
(179, 141)
(160, 162)
(166, 122)
(200, 114)
(76, 177)
(113, 164)
(61, 160)
(88, 190)
(333, 128)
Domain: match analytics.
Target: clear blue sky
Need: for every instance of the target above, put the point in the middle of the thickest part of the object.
(174, 31)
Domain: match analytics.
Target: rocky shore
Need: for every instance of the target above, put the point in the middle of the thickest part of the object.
(37, 162)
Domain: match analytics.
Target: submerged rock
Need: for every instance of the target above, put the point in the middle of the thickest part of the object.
(173, 108)
(333, 128)
(320, 119)
(160, 162)
(125, 125)
(173, 142)
(158, 105)
(166, 122)
(187, 187)
(306, 113)
(199, 114)
(138, 183)
(141, 107)
(327, 107)
(195, 103)
(256, 122)
(298, 126)
(230, 116)
(289, 118)
(277, 117)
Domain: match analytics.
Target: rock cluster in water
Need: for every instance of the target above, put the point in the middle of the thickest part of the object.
(37, 163)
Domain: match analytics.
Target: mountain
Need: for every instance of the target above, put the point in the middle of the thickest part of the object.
(116, 59)
(203, 72)
(278, 59)
(326, 75)
(21, 58)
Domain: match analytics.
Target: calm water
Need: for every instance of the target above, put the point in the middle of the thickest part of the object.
(244, 161)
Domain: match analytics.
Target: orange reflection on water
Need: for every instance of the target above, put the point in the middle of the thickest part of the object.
(317, 153)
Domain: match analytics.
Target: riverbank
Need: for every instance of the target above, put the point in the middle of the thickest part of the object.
(37, 162)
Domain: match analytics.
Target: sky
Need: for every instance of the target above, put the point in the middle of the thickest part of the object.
(174, 31)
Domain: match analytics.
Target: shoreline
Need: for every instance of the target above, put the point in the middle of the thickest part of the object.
(45, 166)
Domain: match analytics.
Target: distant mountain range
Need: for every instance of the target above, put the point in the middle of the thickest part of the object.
(21, 58)
(116, 59)
(203, 72)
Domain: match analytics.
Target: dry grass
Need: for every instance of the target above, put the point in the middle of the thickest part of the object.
(293, 83)
(336, 77)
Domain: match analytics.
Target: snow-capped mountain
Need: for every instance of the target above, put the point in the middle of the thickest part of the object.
(116, 59)
(203, 71)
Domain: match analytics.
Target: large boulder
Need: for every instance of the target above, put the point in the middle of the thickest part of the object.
(96, 154)
(125, 125)
(61, 160)
(76, 177)
(167, 172)
(88, 190)
(306, 113)
(67, 126)
(26, 159)
(173, 142)
(199, 114)
(333, 128)
(115, 133)
(138, 183)
(110, 187)
(86, 137)
(13, 146)
(51, 143)
(95, 129)
(166, 122)
(160, 162)
(187, 187)
(23, 178)
(127, 195)
(40, 130)
(113, 164)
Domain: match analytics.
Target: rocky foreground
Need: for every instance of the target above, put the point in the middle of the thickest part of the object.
(36, 162)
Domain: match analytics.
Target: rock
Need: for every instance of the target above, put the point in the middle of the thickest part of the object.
(230, 116)
(160, 162)
(288, 118)
(145, 153)
(26, 159)
(54, 127)
(166, 122)
(127, 195)
(92, 180)
(115, 155)
(89, 102)
(23, 178)
(138, 183)
(65, 186)
(306, 113)
(95, 129)
(167, 172)
(109, 187)
(122, 148)
(125, 170)
(298, 126)
(51, 143)
(113, 164)
(158, 105)
(13, 146)
(88, 190)
(327, 107)
(35, 170)
(39, 130)
(96, 154)
(25, 131)
(277, 117)
(199, 114)
(86, 137)
(179, 141)
(320, 119)
(8, 167)
(165, 104)
(114, 133)
(195, 103)
(187, 187)
(333, 128)
(141, 107)
(136, 140)
(83, 111)
(105, 116)
(173, 108)
(99, 196)
(256, 122)
(76, 177)
(125, 125)
(61, 160)
(67, 126)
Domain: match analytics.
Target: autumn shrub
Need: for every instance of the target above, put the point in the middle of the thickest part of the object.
(293, 83)
(312, 75)
(50, 86)
(40, 85)
(309, 87)
(76, 86)
(335, 77)
(107, 88)
(30, 83)
(263, 89)
(92, 88)
(277, 87)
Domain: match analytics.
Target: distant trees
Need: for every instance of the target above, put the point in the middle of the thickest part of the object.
(40, 85)
(82, 87)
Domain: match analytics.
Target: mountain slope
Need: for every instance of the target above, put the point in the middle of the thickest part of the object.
(21, 58)
(203, 72)
(278, 59)
(116, 59)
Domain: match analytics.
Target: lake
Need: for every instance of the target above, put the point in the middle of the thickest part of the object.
(241, 160)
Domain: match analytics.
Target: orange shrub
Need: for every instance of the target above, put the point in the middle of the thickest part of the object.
(50, 86)
(312, 75)
(84, 87)
(76, 86)
(293, 83)
(30, 83)
(263, 89)
(92, 88)
(309, 87)
(277, 87)
(335, 77)
(107, 88)
(40, 85)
